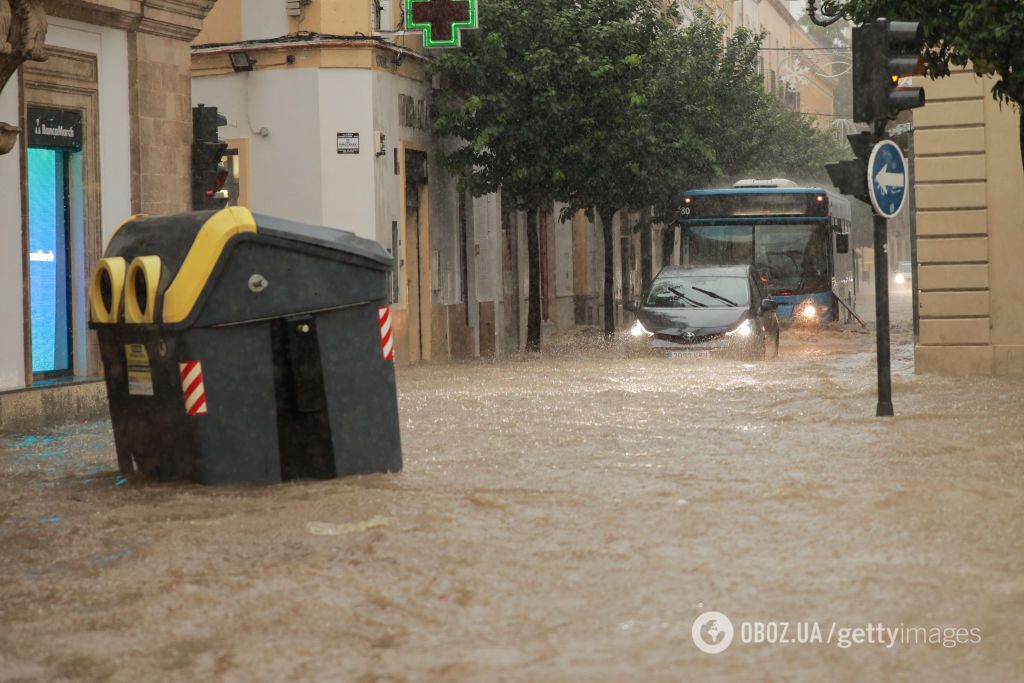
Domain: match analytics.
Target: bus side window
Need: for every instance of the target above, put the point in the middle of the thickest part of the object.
(842, 244)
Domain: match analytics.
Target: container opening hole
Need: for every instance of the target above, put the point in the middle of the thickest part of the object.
(141, 290)
(106, 290)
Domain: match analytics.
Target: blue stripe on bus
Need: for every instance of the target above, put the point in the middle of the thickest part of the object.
(759, 219)
(756, 190)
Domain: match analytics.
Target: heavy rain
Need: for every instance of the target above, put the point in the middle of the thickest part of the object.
(560, 518)
(538, 341)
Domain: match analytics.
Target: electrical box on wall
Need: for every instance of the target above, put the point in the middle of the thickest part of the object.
(294, 7)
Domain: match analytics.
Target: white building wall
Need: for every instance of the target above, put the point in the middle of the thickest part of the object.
(346, 106)
(12, 345)
(284, 165)
(444, 236)
(111, 49)
(565, 311)
(487, 244)
(295, 170)
(386, 118)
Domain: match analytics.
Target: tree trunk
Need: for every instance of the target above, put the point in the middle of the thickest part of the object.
(533, 309)
(646, 251)
(606, 214)
(668, 244)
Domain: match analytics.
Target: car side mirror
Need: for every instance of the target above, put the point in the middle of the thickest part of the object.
(770, 305)
(842, 244)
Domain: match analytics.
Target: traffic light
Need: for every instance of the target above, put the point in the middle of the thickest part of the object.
(883, 52)
(851, 176)
(208, 174)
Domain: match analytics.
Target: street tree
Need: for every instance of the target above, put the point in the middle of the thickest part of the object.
(501, 113)
(643, 94)
(607, 105)
(732, 120)
(985, 34)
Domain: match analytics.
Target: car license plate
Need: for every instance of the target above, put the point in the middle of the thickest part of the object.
(702, 355)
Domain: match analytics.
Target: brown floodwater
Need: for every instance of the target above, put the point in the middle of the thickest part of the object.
(560, 518)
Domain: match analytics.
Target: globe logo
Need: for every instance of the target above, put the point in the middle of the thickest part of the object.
(712, 632)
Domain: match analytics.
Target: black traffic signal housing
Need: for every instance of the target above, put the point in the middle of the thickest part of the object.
(883, 52)
(851, 175)
(208, 173)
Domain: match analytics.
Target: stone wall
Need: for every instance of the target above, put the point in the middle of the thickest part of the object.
(161, 101)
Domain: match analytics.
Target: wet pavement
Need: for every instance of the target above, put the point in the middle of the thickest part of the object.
(561, 518)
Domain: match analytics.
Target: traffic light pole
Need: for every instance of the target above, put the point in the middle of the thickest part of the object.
(884, 408)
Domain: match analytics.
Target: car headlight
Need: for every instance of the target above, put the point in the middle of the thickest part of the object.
(900, 278)
(744, 329)
(639, 330)
(809, 311)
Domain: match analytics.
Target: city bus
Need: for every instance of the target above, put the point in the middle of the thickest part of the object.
(796, 238)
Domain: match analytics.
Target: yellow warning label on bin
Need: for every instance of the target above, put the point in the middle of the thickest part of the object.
(140, 376)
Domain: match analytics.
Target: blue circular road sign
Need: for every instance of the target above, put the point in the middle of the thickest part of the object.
(887, 178)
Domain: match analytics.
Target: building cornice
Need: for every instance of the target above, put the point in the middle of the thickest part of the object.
(267, 46)
(178, 19)
(322, 53)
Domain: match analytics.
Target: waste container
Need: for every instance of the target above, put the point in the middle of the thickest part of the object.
(246, 349)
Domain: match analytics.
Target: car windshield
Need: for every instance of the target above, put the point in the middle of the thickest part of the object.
(684, 291)
(792, 256)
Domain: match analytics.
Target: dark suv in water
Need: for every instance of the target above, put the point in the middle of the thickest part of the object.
(697, 311)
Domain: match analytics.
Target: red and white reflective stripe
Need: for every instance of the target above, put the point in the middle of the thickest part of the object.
(387, 342)
(192, 385)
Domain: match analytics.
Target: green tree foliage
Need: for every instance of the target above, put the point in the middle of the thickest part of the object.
(609, 105)
(501, 107)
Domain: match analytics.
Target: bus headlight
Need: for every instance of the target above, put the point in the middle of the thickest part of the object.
(809, 311)
(639, 330)
(744, 329)
(900, 278)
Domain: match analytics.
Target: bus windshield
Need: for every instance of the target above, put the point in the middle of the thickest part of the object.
(793, 256)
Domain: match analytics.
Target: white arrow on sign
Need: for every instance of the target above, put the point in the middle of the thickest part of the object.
(888, 181)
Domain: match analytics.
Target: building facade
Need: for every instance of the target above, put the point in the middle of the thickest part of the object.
(327, 106)
(796, 69)
(330, 119)
(106, 133)
(970, 245)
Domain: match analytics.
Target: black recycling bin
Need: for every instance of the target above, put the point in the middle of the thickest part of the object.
(246, 349)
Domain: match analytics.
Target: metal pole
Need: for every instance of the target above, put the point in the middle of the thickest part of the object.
(882, 318)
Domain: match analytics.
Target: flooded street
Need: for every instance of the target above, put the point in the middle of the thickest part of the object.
(561, 518)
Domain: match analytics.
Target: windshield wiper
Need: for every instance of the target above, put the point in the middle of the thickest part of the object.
(686, 298)
(715, 296)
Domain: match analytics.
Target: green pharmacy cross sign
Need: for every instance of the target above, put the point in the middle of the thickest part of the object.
(441, 20)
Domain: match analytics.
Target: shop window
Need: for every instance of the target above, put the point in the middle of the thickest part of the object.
(54, 151)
